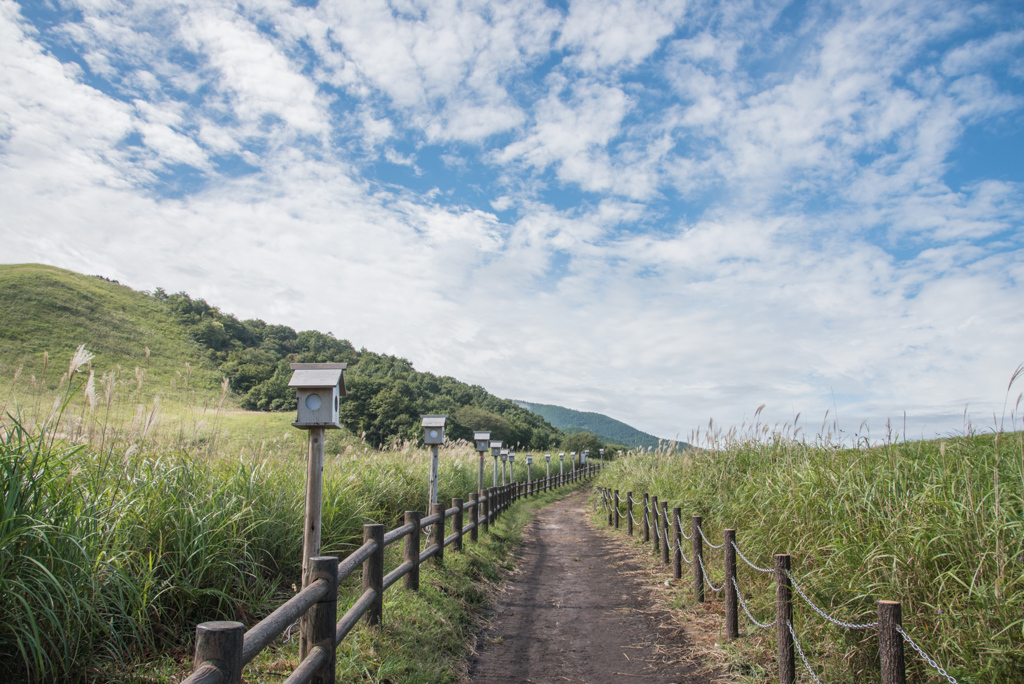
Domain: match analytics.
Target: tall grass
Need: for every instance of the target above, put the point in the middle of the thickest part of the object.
(119, 533)
(937, 525)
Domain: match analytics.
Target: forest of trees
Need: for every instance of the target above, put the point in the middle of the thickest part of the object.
(386, 395)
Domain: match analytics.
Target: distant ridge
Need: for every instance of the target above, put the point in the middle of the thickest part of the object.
(614, 431)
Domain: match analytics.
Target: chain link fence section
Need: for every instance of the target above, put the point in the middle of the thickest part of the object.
(928, 658)
(745, 560)
(819, 611)
(800, 650)
(747, 610)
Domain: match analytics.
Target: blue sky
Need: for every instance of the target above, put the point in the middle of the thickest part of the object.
(668, 212)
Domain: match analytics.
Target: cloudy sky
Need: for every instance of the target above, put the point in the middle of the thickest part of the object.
(663, 211)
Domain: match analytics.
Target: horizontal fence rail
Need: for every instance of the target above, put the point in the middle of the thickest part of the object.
(223, 648)
(655, 524)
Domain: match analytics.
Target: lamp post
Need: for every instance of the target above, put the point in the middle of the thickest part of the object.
(483, 444)
(572, 460)
(561, 464)
(601, 455)
(495, 452)
(529, 472)
(433, 435)
(504, 460)
(511, 467)
(318, 388)
(547, 473)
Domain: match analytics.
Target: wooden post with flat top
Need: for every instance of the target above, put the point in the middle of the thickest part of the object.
(698, 557)
(732, 624)
(890, 642)
(784, 615)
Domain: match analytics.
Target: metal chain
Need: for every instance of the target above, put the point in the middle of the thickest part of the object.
(706, 540)
(688, 561)
(820, 612)
(747, 610)
(802, 656)
(748, 562)
(708, 579)
(924, 655)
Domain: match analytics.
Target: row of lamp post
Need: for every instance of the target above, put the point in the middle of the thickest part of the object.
(318, 389)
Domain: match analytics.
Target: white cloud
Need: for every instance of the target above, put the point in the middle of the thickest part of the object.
(619, 31)
(260, 78)
(749, 215)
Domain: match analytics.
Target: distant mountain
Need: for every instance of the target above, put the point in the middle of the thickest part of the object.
(614, 431)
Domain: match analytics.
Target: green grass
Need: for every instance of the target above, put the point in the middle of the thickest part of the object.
(118, 538)
(425, 635)
(57, 310)
(937, 525)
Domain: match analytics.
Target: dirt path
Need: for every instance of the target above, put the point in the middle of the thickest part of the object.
(576, 612)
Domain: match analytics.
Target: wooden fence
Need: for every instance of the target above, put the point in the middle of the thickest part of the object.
(654, 526)
(223, 648)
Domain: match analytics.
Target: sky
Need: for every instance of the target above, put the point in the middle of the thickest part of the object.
(667, 212)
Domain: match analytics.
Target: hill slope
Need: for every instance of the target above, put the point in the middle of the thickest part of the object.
(47, 309)
(570, 420)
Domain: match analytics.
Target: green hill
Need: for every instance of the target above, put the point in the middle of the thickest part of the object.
(178, 339)
(47, 309)
(614, 431)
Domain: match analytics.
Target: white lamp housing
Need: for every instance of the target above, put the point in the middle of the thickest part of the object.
(433, 429)
(318, 389)
(483, 441)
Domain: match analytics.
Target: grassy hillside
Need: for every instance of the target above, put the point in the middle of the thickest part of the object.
(51, 310)
(613, 431)
(180, 349)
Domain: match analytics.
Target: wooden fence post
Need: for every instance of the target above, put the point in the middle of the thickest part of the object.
(784, 615)
(323, 616)
(485, 512)
(732, 619)
(698, 558)
(611, 515)
(474, 517)
(437, 532)
(311, 522)
(890, 642)
(615, 505)
(647, 519)
(656, 528)
(411, 550)
(629, 513)
(373, 573)
(677, 558)
(219, 644)
(664, 532)
(457, 524)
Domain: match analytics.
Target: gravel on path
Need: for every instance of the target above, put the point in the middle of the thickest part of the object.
(575, 611)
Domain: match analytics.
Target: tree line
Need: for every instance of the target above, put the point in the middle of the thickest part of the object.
(386, 395)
